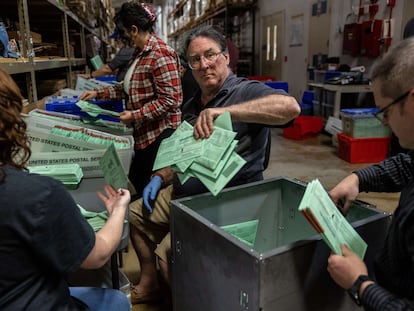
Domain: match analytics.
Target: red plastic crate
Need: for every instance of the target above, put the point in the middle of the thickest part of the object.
(363, 150)
(262, 78)
(303, 127)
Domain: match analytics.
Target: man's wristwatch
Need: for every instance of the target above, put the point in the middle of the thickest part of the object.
(354, 290)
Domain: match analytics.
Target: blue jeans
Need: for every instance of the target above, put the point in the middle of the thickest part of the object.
(101, 299)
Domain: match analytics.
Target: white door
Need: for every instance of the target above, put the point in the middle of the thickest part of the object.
(271, 45)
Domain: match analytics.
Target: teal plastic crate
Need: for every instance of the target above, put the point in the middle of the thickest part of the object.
(361, 123)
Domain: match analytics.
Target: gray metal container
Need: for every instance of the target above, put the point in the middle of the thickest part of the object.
(284, 269)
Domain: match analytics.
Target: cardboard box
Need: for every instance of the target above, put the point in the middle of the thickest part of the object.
(115, 128)
(83, 84)
(52, 149)
(37, 37)
(284, 270)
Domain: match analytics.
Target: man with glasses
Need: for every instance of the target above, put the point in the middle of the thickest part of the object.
(391, 287)
(253, 107)
(382, 114)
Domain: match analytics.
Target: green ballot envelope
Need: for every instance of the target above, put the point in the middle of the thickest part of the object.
(112, 169)
(97, 62)
(326, 219)
(94, 110)
(96, 219)
(213, 160)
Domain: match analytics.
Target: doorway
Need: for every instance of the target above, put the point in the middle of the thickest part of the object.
(273, 29)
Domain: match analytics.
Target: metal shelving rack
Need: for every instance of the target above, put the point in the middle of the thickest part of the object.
(221, 13)
(54, 19)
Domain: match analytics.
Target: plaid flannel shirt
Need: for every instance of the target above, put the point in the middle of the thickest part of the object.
(155, 93)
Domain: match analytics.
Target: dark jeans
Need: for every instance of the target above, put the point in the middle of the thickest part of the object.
(101, 299)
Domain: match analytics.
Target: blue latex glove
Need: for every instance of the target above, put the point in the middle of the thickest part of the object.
(151, 191)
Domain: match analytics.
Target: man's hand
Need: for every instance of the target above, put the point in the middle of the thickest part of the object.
(344, 193)
(204, 125)
(151, 190)
(345, 269)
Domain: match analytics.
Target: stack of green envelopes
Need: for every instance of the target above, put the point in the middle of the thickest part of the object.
(322, 213)
(89, 136)
(69, 174)
(96, 219)
(212, 160)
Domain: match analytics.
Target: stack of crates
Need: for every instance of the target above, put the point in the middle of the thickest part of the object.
(364, 138)
(323, 102)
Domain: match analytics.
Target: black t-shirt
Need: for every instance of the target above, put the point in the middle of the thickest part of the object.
(121, 62)
(252, 137)
(43, 238)
(189, 85)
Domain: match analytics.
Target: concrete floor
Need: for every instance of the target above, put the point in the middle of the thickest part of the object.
(304, 160)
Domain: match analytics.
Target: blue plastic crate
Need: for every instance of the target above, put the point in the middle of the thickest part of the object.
(278, 85)
(360, 112)
(306, 109)
(67, 104)
(332, 74)
(107, 78)
(308, 97)
(321, 76)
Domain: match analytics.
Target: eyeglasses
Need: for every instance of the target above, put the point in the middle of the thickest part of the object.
(382, 114)
(195, 61)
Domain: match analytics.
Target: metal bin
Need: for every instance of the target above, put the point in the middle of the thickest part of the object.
(283, 269)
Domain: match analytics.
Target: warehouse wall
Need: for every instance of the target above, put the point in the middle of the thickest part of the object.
(297, 59)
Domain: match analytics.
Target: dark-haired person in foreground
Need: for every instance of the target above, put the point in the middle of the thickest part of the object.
(44, 237)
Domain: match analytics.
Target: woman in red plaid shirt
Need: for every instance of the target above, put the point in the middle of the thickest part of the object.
(152, 86)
